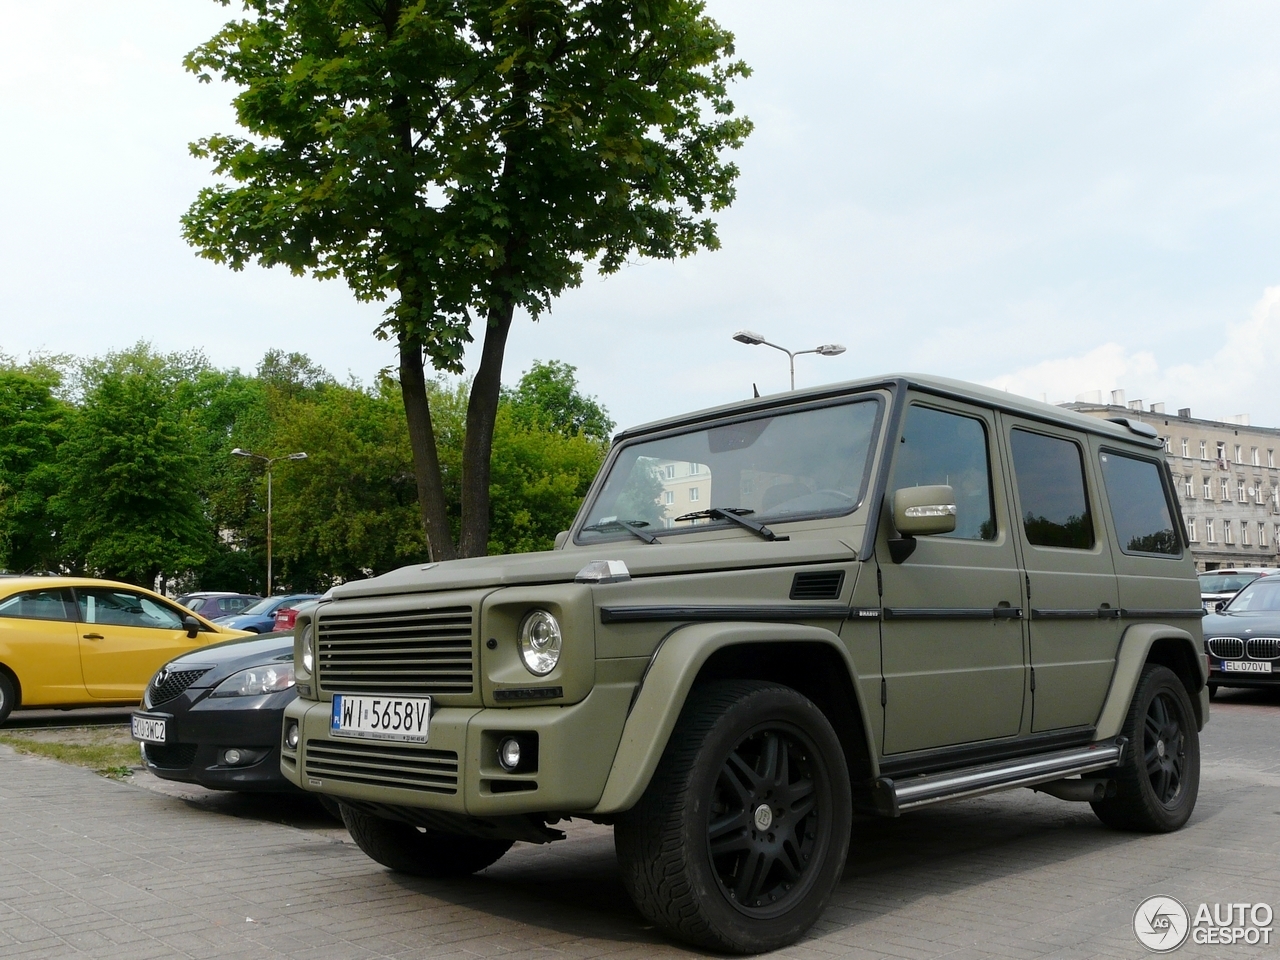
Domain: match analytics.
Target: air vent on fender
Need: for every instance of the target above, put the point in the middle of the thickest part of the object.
(817, 585)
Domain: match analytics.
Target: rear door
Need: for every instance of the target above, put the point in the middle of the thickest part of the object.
(125, 636)
(38, 643)
(1073, 600)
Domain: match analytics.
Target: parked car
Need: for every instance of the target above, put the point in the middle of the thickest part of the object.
(214, 604)
(1219, 586)
(286, 617)
(1242, 639)
(261, 617)
(863, 597)
(212, 716)
(75, 642)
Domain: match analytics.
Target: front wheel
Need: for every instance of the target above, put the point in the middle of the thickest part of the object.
(1159, 778)
(743, 831)
(422, 853)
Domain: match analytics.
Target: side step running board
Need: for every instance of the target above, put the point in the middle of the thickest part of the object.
(892, 797)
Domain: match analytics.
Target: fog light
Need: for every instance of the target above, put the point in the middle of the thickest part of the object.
(232, 757)
(509, 753)
(291, 736)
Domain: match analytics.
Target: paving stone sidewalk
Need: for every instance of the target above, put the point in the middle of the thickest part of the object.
(95, 868)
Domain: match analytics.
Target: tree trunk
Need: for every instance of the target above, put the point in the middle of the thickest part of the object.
(426, 462)
(482, 412)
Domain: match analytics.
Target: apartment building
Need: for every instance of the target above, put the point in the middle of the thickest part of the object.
(1227, 475)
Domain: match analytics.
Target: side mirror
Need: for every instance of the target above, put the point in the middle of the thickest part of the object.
(920, 512)
(561, 539)
(192, 625)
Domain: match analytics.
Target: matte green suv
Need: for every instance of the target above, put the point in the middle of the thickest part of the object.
(768, 617)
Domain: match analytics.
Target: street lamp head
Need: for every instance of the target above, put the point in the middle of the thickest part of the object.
(830, 350)
(746, 336)
(237, 452)
(303, 456)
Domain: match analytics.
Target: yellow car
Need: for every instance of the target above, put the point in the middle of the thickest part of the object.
(76, 642)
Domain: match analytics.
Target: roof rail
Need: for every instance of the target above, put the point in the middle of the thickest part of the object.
(1136, 426)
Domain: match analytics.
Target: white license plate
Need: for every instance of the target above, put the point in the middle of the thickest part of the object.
(381, 718)
(148, 729)
(1246, 666)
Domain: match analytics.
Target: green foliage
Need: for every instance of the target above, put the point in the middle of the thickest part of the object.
(32, 427)
(547, 395)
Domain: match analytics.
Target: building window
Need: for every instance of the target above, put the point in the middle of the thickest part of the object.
(694, 469)
(1227, 532)
(1168, 444)
(668, 496)
(1191, 529)
(1222, 452)
(1189, 488)
(1204, 450)
(671, 471)
(1253, 455)
(1257, 491)
(1238, 460)
(1262, 534)
(1208, 489)
(693, 493)
(1240, 491)
(1271, 458)
(1208, 532)
(1244, 533)
(1186, 447)
(1226, 491)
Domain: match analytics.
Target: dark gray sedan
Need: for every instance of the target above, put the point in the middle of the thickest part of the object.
(1243, 638)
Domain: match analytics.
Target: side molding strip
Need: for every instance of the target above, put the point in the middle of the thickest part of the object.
(781, 613)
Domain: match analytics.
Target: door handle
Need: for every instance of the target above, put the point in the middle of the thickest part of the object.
(94, 636)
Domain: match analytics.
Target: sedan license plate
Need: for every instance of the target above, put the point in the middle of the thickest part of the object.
(148, 729)
(381, 718)
(1246, 666)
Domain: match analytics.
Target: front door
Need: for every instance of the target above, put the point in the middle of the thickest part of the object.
(951, 627)
(1074, 604)
(125, 637)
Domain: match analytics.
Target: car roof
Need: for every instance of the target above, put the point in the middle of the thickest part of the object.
(1227, 571)
(939, 386)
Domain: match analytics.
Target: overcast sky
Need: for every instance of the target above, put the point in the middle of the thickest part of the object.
(1047, 197)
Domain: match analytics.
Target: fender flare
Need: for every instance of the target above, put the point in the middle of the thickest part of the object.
(1135, 646)
(667, 683)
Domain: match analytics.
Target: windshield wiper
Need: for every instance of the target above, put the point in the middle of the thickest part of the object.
(632, 527)
(734, 515)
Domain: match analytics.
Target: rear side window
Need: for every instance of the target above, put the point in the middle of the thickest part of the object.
(35, 605)
(1139, 507)
(1050, 477)
(939, 447)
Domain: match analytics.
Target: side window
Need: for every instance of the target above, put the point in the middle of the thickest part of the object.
(35, 605)
(123, 608)
(1050, 475)
(948, 448)
(1139, 507)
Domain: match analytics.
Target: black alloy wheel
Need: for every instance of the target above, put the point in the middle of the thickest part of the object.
(742, 834)
(1158, 780)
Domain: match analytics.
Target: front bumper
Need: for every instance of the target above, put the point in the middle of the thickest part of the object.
(1235, 678)
(457, 770)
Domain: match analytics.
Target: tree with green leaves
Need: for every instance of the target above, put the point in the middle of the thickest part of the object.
(32, 427)
(548, 394)
(465, 159)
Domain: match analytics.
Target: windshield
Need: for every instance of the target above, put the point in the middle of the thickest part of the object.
(1262, 594)
(1225, 582)
(266, 605)
(811, 463)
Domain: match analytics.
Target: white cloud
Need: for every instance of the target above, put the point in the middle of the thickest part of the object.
(1238, 376)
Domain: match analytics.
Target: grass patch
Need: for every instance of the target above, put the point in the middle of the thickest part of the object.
(102, 756)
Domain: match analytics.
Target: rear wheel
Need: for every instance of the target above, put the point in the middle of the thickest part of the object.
(8, 697)
(422, 853)
(743, 832)
(1159, 779)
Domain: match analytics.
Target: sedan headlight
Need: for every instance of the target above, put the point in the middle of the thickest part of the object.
(256, 681)
(308, 649)
(540, 641)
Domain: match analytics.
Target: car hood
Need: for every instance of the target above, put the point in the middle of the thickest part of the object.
(642, 560)
(1242, 624)
(224, 659)
(239, 620)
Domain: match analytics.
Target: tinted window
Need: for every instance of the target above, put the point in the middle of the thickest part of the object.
(125, 609)
(939, 447)
(35, 605)
(1139, 507)
(1050, 476)
(1225, 582)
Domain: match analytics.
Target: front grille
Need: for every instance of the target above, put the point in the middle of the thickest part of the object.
(413, 652)
(1264, 648)
(174, 683)
(383, 765)
(171, 756)
(1226, 648)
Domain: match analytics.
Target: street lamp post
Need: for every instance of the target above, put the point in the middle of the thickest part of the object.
(754, 339)
(237, 452)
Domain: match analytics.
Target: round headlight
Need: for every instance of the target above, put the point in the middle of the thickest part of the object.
(308, 650)
(540, 640)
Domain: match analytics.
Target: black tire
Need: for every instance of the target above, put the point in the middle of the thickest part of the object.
(743, 832)
(331, 806)
(1159, 779)
(1213, 690)
(422, 853)
(8, 697)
